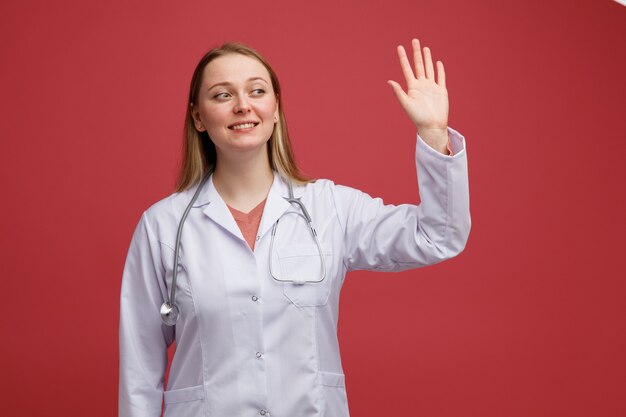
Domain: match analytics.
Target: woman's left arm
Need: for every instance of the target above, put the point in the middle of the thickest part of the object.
(395, 238)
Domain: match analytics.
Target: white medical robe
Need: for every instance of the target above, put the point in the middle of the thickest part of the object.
(247, 344)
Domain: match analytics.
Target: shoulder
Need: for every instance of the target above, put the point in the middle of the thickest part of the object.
(317, 186)
(324, 185)
(329, 193)
(168, 210)
(320, 187)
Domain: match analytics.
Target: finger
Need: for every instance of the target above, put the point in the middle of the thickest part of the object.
(430, 71)
(405, 65)
(417, 57)
(400, 94)
(441, 75)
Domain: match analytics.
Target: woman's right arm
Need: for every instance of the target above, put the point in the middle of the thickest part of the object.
(143, 338)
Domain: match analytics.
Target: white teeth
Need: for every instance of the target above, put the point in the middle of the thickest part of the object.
(243, 126)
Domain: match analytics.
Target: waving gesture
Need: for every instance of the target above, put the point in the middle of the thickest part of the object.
(426, 100)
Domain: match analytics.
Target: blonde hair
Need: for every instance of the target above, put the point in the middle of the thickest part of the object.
(199, 154)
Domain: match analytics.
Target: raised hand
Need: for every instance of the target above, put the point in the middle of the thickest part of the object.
(426, 100)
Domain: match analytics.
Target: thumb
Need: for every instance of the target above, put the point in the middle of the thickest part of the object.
(400, 94)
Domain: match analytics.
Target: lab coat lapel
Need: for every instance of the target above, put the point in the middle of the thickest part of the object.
(275, 205)
(217, 210)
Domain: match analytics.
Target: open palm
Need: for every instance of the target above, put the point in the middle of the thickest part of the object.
(425, 100)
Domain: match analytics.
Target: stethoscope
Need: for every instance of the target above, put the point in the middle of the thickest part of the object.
(169, 309)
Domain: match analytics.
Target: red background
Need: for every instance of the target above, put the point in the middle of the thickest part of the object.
(529, 321)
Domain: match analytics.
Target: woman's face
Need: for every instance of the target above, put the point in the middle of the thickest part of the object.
(236, 105)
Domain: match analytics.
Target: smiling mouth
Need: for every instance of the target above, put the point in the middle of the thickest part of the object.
(241, 126)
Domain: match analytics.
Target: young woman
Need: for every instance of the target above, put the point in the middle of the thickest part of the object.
(242, 266)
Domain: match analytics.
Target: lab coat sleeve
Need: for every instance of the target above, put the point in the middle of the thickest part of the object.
(142, 336)
(395, 238)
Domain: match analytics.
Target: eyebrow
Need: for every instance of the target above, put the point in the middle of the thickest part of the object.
(228, 83)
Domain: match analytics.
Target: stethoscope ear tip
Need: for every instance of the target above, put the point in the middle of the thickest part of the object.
(169, 313)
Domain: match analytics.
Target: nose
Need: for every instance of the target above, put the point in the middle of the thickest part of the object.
(242, 105)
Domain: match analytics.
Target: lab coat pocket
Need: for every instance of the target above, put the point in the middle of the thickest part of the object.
(335, 400)
(185, 402)
(301, 266)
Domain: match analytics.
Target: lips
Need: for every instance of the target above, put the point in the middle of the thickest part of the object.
(247, 124)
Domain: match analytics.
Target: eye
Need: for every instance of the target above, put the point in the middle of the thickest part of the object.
(221, 96)
(258, 92)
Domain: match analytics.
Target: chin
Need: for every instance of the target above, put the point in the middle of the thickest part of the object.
(248, 145)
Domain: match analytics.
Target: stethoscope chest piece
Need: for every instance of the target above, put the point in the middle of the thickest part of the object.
(169, 313)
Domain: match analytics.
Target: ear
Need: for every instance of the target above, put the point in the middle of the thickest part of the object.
(276, 113)
(195, 114)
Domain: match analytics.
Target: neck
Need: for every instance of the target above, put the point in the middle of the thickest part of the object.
(245, 182)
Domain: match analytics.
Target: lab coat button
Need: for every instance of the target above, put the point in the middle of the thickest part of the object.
(258, 355)
(255, 298)
(264, 413)
(258, 238)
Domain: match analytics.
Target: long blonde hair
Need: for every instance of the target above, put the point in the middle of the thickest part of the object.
(199, 154)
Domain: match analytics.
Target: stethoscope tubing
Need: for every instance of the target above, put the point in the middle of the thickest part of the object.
(179, 234)
(169, 310)
(292, 200)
